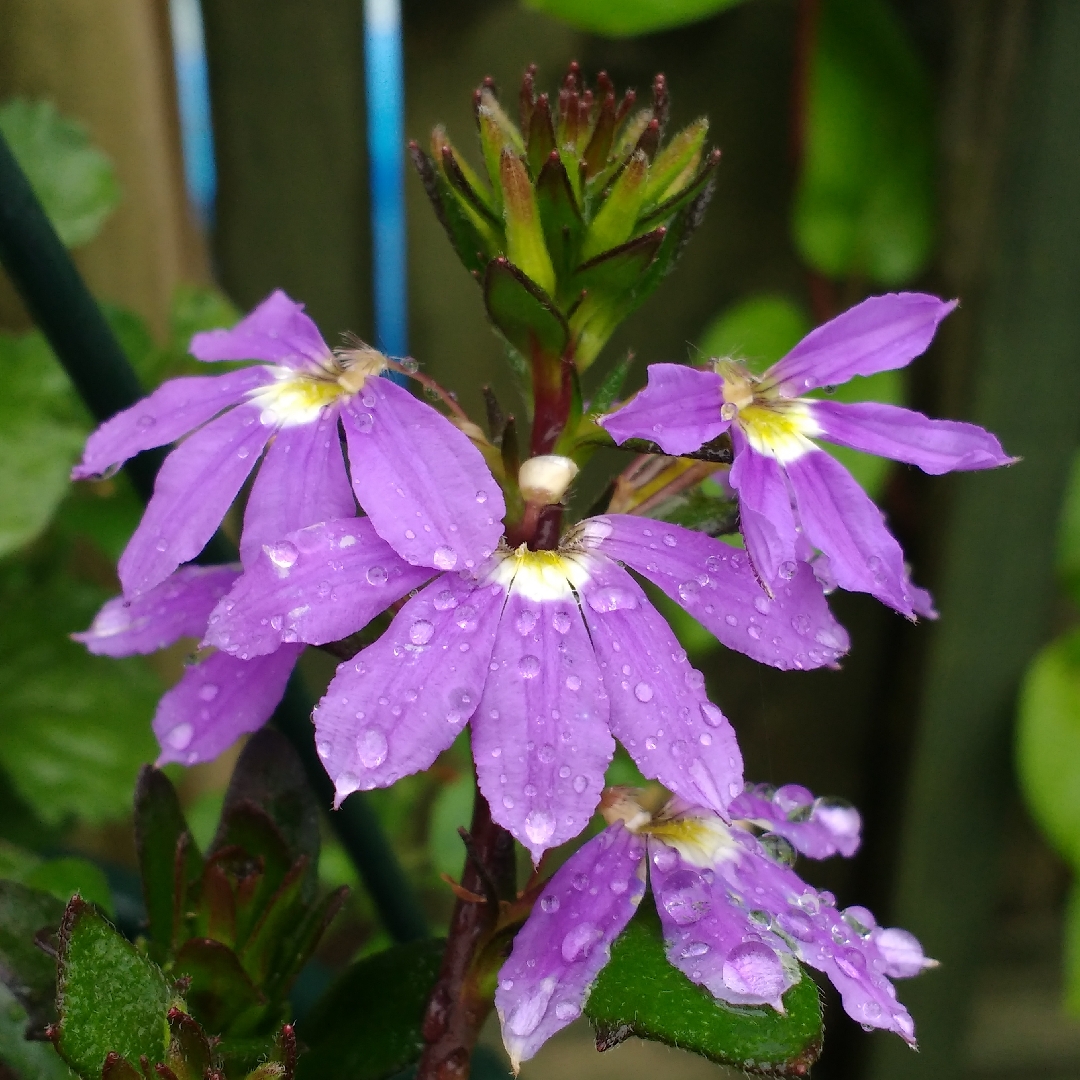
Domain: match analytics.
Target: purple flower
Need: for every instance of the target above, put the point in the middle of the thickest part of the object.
(217, 699)
(550, 653)
(793, 497)
(735, 917)
(421, 481)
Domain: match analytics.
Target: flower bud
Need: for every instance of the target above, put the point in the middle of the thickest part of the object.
(545, 478)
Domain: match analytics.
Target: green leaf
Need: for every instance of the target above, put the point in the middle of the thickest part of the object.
(1048, 743)
(25, 1060)
(684, 195)
(611, 387)
(523, 313)
(758, 330)
(220, 991)
(560, 217)
(525, 244)
(640, 993)
(63, 878)
(367, 1025)
(74, 180)
(110, 997)
(626, 18)
(24, 968)
(452, 808)
(76, 727)
(159, 828)
(615, 220)
(698, 510)
(865, 203)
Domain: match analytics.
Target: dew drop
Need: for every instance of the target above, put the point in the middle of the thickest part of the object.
(376, 575)
(787, 569)
(573, 682)
(283, 553)
(322, 748)
(753, 968)
(161, 545)
(146, 422)
(546, 753)
(731, 620)
(688, 590)
(508, 802)
(528, 666)
(762, 604)
(754, 631)
(797, 925)
(540, 826)
(445, 558)
(579, 941)
(208, 692)
(705, 739)
(612, 598)
(567, 1010)
(643, 692)
(364, 422)
(420, 632)
(665, 858)
(695, 948)
(561, 621)
(711, 714)
(371, 748)
(685, 897)
(444, 600)
(694, 679)
(580, 882)
(481, 496)
(550, 904)
(525, 621)
(529, 1011)
(580, 784)
(180, 737)
(669, 540)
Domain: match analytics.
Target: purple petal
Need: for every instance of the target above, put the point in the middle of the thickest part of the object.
(716, 584)
(398, 704)
(840, 518)
(178, 607)
(712, 941)
(843, 946)
(815, 827)
(315, 585)
(659, 709)
(192, 493)
(424, 485)
(301, 481)
(766, 518)
(881, 333)
(936, 446)
(540, 738)
(217, 701)
(679, 409)
(172, 410)
(567, 939)
(277, 330)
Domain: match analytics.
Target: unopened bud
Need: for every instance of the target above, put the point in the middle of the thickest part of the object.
(544, 479)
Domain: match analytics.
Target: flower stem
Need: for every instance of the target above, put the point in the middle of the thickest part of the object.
(462, 998)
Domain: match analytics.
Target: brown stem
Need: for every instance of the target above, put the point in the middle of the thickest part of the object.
(460, 1002)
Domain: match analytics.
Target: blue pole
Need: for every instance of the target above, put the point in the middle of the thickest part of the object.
(385, 87)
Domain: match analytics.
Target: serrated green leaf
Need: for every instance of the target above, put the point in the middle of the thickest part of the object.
(74, 181)
(28, 972)
(640, 993)
(1048, 743)
(97, 966)
(76, 727)
(367, 1025)
(25, 1059)
(865, 202)
(627, 18)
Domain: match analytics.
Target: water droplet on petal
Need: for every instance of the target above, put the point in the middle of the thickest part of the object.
(797, 924)
(580, 783)
(685, 897)
(728, 410)
(481, 496)
(579, 941)
(376, 575)
(420, 632)
(711, 714)
(694, 679)
(754, 631)
(550, 904)
(364, 422)
(573, 682)
(546, 753)
(561, 621)
(146, 422)
(283, 554)
(528, 667)
(180, 737)
(322, 748)
(529, 1011)
(731, 620)
(787, 569)
(540, 826)
(670, 540)
(580, 882)
(445, 558)
(567, 1010)
(612, 598)
(688, 590)
(695, 948)
(208, 692)
(161, 545)
(525, 621)
(665, 858)
(753, 968)
(643, 692)
(801, 624)
(371, 748)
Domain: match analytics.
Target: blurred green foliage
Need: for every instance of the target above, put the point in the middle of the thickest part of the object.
(865, 203)
(626, 18)
(73, 179)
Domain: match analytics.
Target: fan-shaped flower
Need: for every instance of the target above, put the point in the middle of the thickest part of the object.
(549, 652)
(735, 916)
(438, 507)
(793, 497)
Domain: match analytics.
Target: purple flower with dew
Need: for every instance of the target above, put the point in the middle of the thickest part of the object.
(549, 653)
(438, 508)
(793, 497)
(217, 699)
(735, 915)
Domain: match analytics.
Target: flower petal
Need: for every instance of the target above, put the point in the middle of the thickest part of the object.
(178, 607)
(936, 446)
(192, 493)
(881, 333)
(277, 330)
(315, 585)
(567, 939)
(840, 518)
(659, 709)
(301, 481)
(540, 738)
(679, 409)
(398, 704)
(712, 941)
(217, 701)
(424, 485)
(844, 946)
(766, 518)
(716, 584)
(172, 410)
(814, 827)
